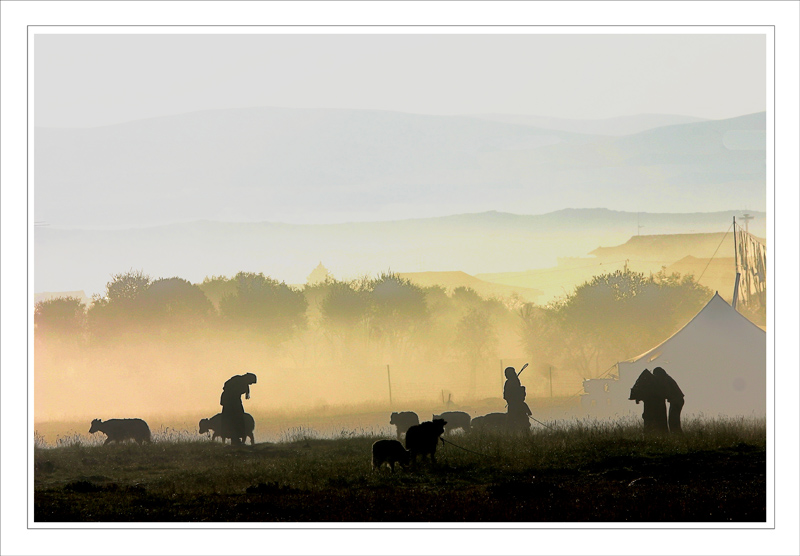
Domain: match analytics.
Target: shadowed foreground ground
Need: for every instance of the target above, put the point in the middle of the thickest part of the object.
(710, 475)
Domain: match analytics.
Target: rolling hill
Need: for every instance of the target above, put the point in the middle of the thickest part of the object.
(623, 125)
(325, 166)
(707, 256)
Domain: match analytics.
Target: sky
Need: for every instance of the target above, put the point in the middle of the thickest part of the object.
(100, 79)
(90, 80)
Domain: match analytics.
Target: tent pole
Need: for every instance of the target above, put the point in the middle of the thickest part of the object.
(735, 252)
(735, 267)
(389, 377)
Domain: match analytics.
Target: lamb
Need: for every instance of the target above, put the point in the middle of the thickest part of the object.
(118, 430)
(214, 424)
(455, 420)
(403, 421)
(422, 439)
(391, 452)
(491, 421)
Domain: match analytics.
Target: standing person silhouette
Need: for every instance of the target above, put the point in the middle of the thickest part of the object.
(672, 392)
(514, 395)
(233, 424)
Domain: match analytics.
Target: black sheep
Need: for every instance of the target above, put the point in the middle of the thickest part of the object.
(118, 430)
(422, 439)
(391, 452)
(403, 420)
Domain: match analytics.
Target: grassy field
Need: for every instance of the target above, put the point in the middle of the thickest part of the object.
(576, 471)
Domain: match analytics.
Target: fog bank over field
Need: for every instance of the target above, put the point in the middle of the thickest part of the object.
(155, 346)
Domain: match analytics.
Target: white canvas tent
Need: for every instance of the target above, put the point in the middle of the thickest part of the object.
(719, 360)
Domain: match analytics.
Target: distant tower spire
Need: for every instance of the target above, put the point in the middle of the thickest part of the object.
(638, 226)
(319, 275)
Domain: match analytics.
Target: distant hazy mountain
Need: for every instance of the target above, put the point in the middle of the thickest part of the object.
(68, 259)
(307, 166)
(623, 125)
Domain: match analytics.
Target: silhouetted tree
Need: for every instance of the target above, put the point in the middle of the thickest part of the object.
(63, 316)
(217, 287)
(545, 336)
(467, 297)
(476, 341)
(343, 311)
(346, 305)
(125, 288)
(263, 304)
(121, 306)
(399, 309)
(172, 300)
(134, 302)
(624, 312)
(610, 318)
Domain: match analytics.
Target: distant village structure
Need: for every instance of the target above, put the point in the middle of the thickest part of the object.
(45, 296)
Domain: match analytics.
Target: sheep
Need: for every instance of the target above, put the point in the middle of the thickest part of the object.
(422, 439)
(455, 420)
(214, 424)
(492, 421)
(403, 421)
(391, 452)
(118, 430)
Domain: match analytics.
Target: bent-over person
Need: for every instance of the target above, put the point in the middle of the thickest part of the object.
(233, 422)
(672, 392)
(646, 390)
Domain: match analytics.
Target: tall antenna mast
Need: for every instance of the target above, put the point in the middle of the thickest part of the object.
(638, 226)
(747, 218)
(745, 257)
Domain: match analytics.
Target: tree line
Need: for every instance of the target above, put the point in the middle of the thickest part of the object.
(611, 317)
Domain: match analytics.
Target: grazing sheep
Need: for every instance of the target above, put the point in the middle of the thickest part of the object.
(391, 452)
(422, 439)
(492, 421)
(455, 420)
(118, 430)
(403, 421)
(214, 424)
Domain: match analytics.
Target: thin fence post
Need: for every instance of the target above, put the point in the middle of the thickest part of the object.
(389, 376)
